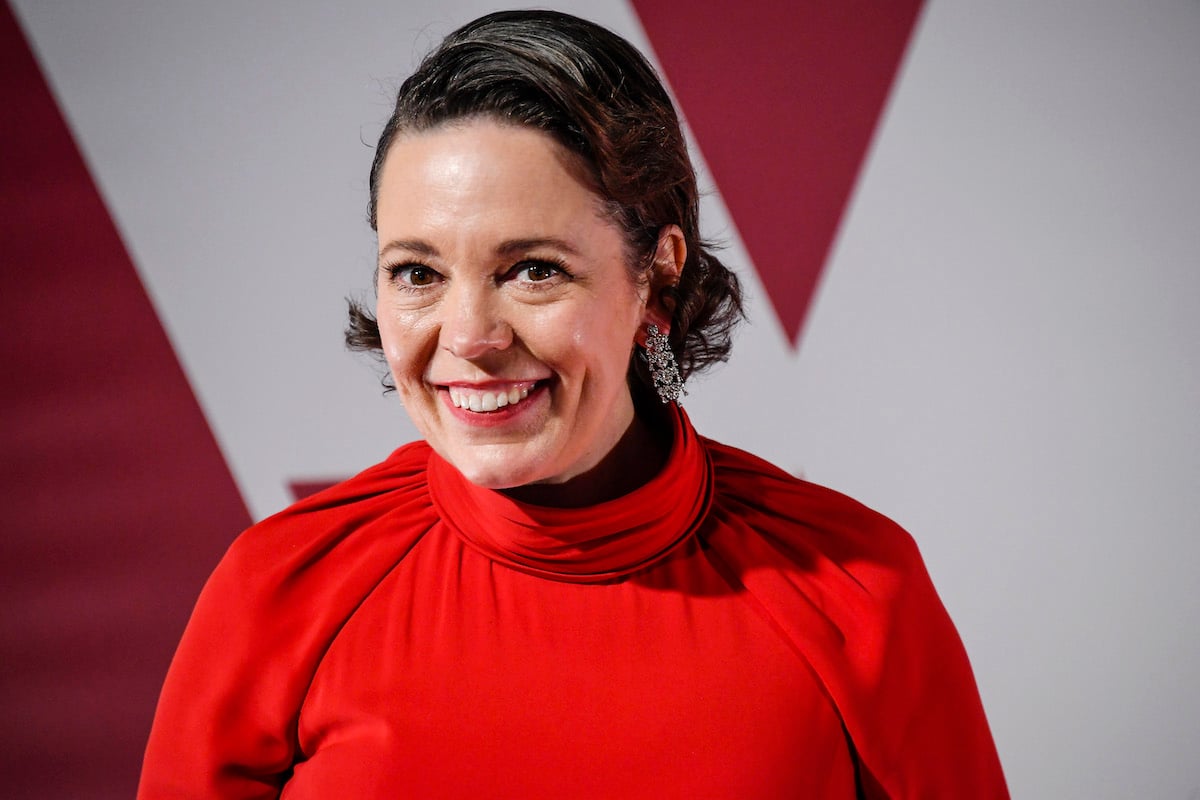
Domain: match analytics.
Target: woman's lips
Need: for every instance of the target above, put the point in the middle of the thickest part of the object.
(490, 403)
(490, 399)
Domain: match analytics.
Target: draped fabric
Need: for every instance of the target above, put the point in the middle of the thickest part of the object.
(725, 630)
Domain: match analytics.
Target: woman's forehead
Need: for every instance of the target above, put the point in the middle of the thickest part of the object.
(483, 172)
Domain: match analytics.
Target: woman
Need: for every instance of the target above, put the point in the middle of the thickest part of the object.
(563, 591)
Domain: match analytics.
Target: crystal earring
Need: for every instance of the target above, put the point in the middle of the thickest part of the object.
(663, 369)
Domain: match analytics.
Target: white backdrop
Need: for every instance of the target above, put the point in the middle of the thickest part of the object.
(1004, 353)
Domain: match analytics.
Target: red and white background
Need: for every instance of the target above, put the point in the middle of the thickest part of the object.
(970, 235)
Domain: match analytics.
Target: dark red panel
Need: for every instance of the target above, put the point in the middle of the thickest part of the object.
(783, 98)
(117, 500)
(303, 489)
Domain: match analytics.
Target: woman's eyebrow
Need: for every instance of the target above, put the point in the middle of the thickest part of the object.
(508, 247)
(512, 246)
(415, 246)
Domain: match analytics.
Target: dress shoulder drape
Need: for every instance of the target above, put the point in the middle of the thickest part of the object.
(726, 630)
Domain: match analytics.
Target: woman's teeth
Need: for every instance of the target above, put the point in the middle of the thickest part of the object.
(486, 401)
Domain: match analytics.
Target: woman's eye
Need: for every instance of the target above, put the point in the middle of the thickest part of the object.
(537, 271)
(414, 275)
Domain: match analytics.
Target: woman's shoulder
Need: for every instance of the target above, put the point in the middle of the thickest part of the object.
(313, 562)
(387, 501)
(794, 512)
(265, 618)
(848, 588)
(402, 471)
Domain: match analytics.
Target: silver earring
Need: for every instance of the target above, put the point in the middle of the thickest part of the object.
(663, 369)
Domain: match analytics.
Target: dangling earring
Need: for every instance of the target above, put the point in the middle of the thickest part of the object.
(663, 369)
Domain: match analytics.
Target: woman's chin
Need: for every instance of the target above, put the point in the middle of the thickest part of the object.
(497, 466)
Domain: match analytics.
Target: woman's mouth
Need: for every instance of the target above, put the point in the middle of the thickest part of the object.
(483, 400)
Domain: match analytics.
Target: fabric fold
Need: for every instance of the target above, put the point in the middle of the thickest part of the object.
(582, 545)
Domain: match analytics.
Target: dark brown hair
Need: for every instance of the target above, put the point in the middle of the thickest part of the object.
(596, 95)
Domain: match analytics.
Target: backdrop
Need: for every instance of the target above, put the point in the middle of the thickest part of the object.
(969, 235)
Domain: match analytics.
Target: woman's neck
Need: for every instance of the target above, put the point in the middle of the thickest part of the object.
(636, 458)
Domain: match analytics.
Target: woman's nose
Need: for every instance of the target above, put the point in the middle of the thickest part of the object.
(472, 324)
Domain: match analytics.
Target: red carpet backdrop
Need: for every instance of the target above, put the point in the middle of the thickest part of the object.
(969, 239)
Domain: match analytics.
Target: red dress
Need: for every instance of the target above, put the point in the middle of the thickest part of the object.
(726, 630)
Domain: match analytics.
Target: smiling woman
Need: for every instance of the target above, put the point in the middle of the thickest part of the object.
(501, 276)
(563, 590)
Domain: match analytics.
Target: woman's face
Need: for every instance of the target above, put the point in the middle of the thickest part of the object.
(506, 305)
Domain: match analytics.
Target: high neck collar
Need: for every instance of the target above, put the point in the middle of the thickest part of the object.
(590, 544)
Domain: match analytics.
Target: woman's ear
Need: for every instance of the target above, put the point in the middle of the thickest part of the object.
(669, 257)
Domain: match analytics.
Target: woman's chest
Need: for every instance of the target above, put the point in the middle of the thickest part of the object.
(459, 677)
